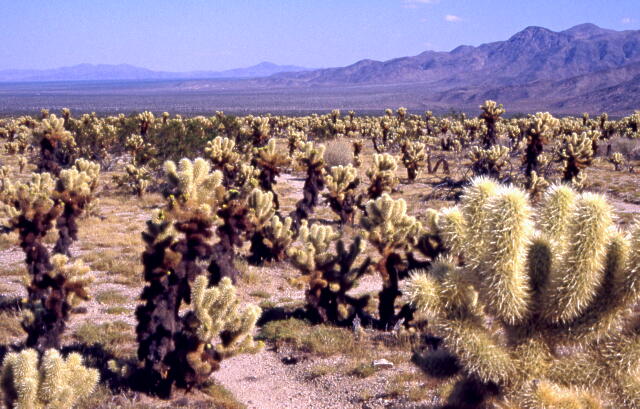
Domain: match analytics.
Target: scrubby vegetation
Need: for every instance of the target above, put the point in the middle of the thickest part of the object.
(488, 261)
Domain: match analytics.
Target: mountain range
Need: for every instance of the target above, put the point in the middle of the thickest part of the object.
(583, 69)
(120, 72)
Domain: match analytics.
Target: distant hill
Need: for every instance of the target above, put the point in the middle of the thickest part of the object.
(583, 68)
(103, 72)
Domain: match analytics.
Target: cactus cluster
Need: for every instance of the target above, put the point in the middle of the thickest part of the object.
(330, 270)
(51, 381)
(382, 175)
(311, 158)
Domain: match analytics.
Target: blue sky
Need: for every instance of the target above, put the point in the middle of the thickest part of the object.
(182, 35)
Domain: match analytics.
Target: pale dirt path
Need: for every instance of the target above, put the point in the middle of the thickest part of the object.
(262, 381)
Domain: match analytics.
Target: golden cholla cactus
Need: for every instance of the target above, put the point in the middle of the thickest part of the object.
(271, 240)
(342, 182)
(511, 294)
(52, 383)
(194, 187)
(491, 113)
(413, 158)
(136, 179)
(382, 175)
(313, 247)
(357, 150)
(75, 189)
(56, 144)
(270, 161)
(617, 160)
(387, 225)
(220, 317)
(31, 200)
(261, 207)
(77, 280)
(294, 140)
(146, 120)
(576, 153)
(489, 162)
(311, 158)
(540, 129)
(52, 129)
(221, 152)
(392, 232)
(141, 152)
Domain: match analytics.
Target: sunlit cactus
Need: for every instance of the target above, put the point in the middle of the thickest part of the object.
(382, 175)
(391, 231)
(541, 128)
(576, 153)
(328, 270)
(491, 113)
(136, 179)
(51, 381)
(413, 158)
(223, 156)
(177, 244)
(617, 160)
(141, 152)
(271, 163)
(489, 162)
(271, 236)
(193, 188)
(311, 158)
(357, 150)
(75, 189)
(295, 140)
(146, 120)
(56, 145)
(214, 327)
(511, 294)
(342, 182)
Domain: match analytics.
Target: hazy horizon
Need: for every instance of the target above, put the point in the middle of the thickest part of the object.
(198, 36)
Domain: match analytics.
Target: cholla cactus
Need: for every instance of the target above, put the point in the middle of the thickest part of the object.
(617, 160)
(56, 145)
(491, 113)
(357, 150)
(177, 244)
(271, 237)
(312, 158)
(193, 188)
(31, 209)
(137, 179)
(382, 175)
(271, 162)
(489, 162)
(413, 158)
(510, 296)
(391, 231)
(46, 312)
(75, 189)
(342, 182)
(221, 152)
(141, 152)
(213, 315)
(52, 383)
(294, 140)
(541, 128)
(146, 120)
(576, 153)
(329, 273)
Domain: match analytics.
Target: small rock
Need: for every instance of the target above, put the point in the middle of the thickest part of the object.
(290, 360)
(382, 364)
